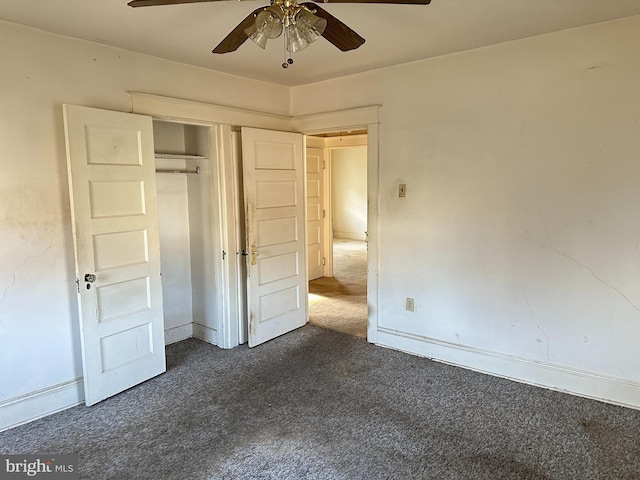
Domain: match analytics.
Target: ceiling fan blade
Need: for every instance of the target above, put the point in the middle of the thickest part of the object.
(399, 2)
(336, 32)
(151, 3)
(237, 37)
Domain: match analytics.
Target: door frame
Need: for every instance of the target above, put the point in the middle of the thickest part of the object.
(356, 119)
(223, 118)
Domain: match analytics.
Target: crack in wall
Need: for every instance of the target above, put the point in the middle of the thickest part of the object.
(569, 257)
(486, 273)
(24, 262)
(544, 222)
(533, 320)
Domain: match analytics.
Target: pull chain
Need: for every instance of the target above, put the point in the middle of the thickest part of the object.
(287, 61)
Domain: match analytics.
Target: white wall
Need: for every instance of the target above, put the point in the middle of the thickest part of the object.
(175, 254)
(518, 238)
(39, 342)
(349, 192)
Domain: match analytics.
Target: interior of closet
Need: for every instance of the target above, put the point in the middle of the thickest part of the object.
(186, 223)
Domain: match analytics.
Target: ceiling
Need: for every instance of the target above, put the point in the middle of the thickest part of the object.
(394, 33)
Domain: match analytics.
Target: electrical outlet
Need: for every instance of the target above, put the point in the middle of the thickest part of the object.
(410, 304)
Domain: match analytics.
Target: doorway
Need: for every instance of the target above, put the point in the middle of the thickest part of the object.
(338, 298)
(187, 226)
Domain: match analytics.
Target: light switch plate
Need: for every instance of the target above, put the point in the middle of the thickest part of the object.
(402, 190)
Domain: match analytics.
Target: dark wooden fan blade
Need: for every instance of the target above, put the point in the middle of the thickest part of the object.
(237, 37)
(151, 3)
(398, 2)
(337, 32)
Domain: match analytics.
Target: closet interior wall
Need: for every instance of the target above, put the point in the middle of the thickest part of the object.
(186, 219)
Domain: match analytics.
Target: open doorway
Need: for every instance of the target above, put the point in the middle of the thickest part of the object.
(338, 295)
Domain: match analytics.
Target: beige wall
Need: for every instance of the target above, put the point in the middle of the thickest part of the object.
(349, 192)
(519, 235)
(39, 343)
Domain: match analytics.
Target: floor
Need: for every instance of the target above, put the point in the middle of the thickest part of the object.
(340, 302)
(321, 405)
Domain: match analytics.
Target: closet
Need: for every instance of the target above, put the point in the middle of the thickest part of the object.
(186, 217)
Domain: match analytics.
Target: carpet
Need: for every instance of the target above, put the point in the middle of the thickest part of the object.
(340, 302)
(318, 404)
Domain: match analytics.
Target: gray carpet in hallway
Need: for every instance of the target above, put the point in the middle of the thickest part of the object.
(340, 302)
(318, 404)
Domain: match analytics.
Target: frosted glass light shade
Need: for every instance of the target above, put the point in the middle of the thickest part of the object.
(310, 25)
(296, 39)
(269, 23)
(259, 38)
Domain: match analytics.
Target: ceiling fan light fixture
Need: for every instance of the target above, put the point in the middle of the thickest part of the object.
(256, 36)
(303, 28)
(269, 21)
(296, 38)
(312, 25)
(268, 24)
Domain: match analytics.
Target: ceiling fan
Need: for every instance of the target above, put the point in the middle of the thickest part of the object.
(301, 23)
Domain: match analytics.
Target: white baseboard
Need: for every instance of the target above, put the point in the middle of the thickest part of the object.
(350, 235)
(34, 405)
(31, 406)
(591, 385)
(206, 334)
(177, 334)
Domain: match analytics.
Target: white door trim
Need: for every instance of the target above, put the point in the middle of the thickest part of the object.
(189, 111)
(177, 109)
(365, 117)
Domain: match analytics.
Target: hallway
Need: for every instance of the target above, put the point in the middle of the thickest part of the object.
(340, 302)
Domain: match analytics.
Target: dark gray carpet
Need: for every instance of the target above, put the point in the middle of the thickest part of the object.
(324, 405)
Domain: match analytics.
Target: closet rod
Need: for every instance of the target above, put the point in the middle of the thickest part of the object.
(167, 170)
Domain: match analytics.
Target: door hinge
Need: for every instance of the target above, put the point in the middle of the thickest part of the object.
(324, 261)
(324, 213)
(324, 164)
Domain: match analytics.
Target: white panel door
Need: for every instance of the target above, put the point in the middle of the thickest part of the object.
(274, 200)
(315, 212)
(114, 214)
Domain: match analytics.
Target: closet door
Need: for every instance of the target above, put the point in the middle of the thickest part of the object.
(115, 226)
(315, 213)
(275, 204)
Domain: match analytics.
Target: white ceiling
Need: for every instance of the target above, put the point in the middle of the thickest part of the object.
(394, 33)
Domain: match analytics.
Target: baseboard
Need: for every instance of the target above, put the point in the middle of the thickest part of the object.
(177, 334)
(34, 405)
(591, 385)
(205, 334)
(31, 406)
(350, 235)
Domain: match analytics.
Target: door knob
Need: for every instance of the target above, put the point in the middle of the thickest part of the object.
(89, 278)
